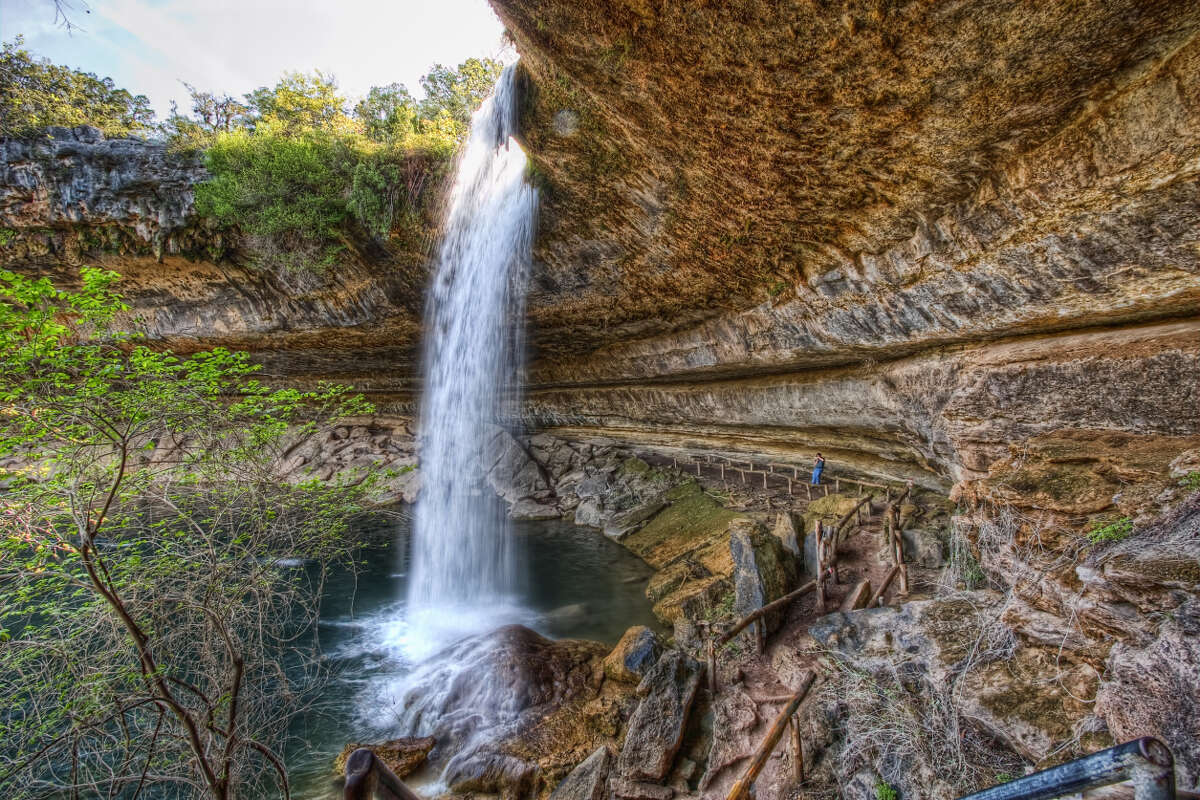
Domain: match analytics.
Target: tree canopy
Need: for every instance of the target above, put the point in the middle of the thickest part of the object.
(35, 93)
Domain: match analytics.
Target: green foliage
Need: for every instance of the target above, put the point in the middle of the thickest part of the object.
(298, 103)
(458, 92)
(1191, 480)
(1005, 777)
(144, 617)
(303, 178)
(884, 790)
(35, 93)
(1115, 531)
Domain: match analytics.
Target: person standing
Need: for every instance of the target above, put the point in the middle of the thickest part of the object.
(818, 468)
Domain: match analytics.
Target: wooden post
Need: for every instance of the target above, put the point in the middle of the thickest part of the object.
(760, 635)
(797, 751)
(712, 665)
(764, 480)
(697, 469)
(674, 463)
(722, 472)
(831, 554)
(820, 540)
(795, 473)
(837, 485)
(808, 490)
(741, 788)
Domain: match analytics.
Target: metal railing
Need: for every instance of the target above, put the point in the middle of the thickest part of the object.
(367, 777)
(1146, 762)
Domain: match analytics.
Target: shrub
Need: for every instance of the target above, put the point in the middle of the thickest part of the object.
(884, 790)
(304, 197)
(1115, 531)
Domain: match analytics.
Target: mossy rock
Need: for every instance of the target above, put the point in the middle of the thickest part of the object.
(691, 521)
(829, 509)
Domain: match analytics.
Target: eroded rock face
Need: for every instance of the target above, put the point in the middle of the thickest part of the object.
(657, 726)
(1154, 691)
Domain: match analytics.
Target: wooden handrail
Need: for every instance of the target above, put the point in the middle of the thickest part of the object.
(761, 612)
(742, 788)
(883, 587)
(367, 776)
(845, 520)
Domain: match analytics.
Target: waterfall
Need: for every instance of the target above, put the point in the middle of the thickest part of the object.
(462, 569)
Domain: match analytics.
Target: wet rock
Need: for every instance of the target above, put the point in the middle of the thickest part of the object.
(491, 688)
(762, 571)
(657, 726)
(588, 780)
(491, 773)
(402, 756)
(633, 656)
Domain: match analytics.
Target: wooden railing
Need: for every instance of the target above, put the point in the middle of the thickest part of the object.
(748, 471)
(787, 718)
(367, 777)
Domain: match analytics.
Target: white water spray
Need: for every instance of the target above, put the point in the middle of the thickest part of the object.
(462, 569)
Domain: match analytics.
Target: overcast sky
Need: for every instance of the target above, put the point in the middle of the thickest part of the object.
(234, 46)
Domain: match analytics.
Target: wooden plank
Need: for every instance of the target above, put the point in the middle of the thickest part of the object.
(887, 581)
(741, 788)
(858, 596)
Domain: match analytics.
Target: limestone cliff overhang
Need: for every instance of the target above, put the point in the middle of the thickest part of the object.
(700, 159)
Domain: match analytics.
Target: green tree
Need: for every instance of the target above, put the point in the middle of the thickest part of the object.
(35, 94)
(388, 113)
(145, 615)
(211, 114)
(298, 103)
(460, 91)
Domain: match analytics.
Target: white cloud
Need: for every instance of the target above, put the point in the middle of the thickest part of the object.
(149, 46)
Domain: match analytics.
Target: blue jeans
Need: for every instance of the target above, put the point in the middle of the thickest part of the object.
(816, 479)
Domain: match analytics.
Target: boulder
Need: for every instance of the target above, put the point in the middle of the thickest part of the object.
(657, 726)
(762, 570)
(482, 697)
(588, 780)
(638, 651)
(787, 534)
(529, 508)
(402, 756)
(511, 472)
(923, 547)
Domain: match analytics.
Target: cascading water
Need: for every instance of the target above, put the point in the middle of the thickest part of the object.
(462, 569)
